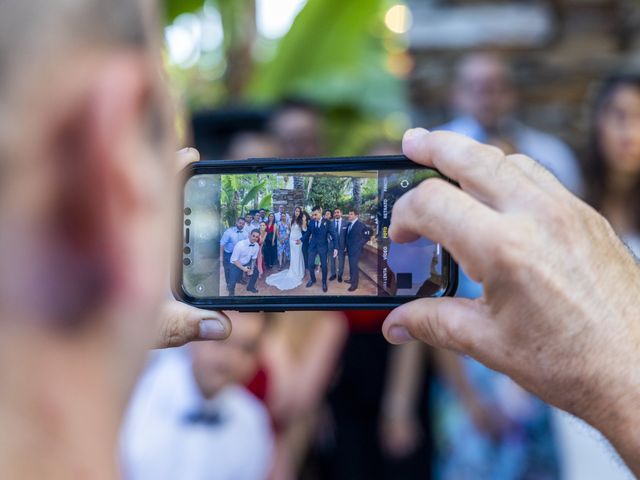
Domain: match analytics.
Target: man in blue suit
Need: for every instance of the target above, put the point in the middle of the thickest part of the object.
(320, 233)
(357, 236)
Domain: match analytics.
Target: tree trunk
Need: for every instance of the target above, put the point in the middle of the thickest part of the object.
(357, 193)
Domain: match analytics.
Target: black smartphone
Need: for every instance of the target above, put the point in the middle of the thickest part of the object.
(278, 234)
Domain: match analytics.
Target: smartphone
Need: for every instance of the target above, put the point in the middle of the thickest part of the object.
(276, 234)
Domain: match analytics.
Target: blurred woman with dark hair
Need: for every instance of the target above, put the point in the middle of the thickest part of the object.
(612, 170)
(269, 247)
(612, 180)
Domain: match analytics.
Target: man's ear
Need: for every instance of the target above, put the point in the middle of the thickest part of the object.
(93, 148)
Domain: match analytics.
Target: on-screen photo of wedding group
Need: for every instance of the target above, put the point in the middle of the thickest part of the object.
(299, 235)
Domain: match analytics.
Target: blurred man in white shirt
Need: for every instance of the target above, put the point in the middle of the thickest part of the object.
(485, 100)
(190, 418)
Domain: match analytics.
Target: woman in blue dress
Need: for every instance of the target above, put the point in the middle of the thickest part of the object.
(282, 238)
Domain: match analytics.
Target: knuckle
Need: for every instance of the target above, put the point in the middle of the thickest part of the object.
(435, 331)
(173, 334)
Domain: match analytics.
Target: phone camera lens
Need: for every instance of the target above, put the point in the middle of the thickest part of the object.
(187, 222)
(187, 262)
(187, 211)
(187, 250)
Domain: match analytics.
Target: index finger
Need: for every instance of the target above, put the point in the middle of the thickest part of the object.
(438, 210)
(481, 170)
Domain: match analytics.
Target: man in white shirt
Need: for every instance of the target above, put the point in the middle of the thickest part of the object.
(281, 212)
(243, 260)
(190, 418)
(228, 241)
(485, 98)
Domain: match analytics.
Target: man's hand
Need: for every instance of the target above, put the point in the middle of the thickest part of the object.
(560, 312)
(335, 253)
(298, 242)
(181, 323)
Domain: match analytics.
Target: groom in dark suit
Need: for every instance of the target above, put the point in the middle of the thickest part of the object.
(357, 236)
(319, 234)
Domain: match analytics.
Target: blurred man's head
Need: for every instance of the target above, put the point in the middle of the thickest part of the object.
(484, 90)
(297, 128)
(337, 214)
(87, 160)
(316, 213)
(255, 235)
(248, 218)
(353, 215)
(235, 360)
(240, 223)
(85, 146)
(280, 208)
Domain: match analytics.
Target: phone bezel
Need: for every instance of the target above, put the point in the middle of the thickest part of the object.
(294, 302)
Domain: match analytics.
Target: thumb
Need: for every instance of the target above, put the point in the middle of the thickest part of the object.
(451, 323)
(181, 324)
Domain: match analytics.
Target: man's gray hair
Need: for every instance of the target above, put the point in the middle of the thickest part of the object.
(29, 28)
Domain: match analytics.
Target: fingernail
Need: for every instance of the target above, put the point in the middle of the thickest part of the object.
(414, 132)
(211, 329)
(399, 334)
(191, 152)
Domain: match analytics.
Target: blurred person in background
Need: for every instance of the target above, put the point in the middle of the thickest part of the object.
(612, 180)
(297, 127)
(485, 99)
(302, 349)
(191, 417)
(378, 403)
(244, 145)
(88, 180)
(612, 168)
(486, 426)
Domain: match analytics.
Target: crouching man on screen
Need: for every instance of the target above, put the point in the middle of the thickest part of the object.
(357, 236)
(243, 260)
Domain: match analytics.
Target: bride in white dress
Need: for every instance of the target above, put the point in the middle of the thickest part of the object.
(292, 277)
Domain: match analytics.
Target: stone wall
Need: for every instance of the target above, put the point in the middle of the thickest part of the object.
(590, 38)
(289, 198)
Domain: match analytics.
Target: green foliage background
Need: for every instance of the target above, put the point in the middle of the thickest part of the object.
(334, 54)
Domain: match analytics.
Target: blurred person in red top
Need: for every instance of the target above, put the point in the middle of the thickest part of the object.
(302, 348)
(378, 401)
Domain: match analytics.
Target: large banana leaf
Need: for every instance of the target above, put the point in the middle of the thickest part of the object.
(266, 202)
(252, 194)
(333, 55)
(174, 8)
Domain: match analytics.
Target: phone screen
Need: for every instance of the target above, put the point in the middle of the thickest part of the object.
(312, 234)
